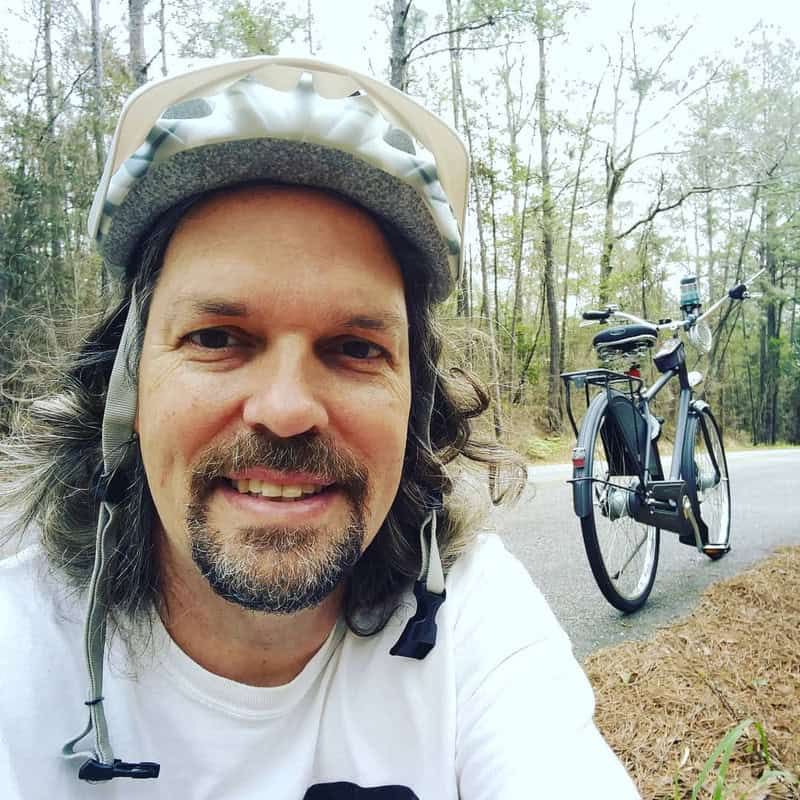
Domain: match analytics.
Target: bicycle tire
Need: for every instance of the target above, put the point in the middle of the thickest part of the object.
(623, 553)
(705, 470)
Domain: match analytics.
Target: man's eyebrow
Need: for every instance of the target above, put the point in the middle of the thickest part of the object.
(384, 320)
(208, 305)
(373, 321)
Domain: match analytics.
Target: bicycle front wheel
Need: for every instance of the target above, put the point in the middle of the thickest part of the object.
(623, 553)
(705, 470)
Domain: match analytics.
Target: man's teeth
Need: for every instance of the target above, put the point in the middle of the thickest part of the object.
(287, 491)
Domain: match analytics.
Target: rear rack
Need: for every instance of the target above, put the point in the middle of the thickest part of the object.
(605, 378)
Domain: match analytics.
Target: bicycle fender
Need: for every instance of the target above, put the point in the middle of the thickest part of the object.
(582, 488)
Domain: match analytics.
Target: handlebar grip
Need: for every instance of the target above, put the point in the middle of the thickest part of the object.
(738, 292)
(596, 315)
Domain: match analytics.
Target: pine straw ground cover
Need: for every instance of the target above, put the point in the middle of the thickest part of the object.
(665, 704)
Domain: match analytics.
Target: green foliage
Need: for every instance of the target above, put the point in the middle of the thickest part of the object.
(241, 28)
(757, 746)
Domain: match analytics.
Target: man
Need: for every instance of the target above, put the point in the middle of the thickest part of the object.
(243, 476)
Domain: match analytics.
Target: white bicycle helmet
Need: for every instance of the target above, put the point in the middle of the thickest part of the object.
(280, 120)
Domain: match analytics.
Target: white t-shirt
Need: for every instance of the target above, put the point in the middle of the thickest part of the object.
(499, 709)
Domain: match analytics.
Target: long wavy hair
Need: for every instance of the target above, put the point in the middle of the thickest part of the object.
(49, 463)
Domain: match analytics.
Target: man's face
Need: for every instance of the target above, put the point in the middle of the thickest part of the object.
(274, 393)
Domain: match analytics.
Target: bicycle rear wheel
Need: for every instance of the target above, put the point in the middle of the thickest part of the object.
(622, 552)
(705, 470)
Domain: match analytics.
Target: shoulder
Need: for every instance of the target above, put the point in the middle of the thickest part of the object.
(493, 595)
(35, 605)
(524, 704)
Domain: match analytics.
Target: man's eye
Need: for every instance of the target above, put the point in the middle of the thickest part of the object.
(360, 349)
(212, 339)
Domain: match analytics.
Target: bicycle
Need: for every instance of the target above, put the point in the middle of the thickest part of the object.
(621, 493)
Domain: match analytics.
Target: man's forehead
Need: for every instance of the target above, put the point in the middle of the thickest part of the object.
(367, 316)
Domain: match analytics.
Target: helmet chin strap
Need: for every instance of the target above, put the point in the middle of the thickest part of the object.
(419, 636)
(117, 434)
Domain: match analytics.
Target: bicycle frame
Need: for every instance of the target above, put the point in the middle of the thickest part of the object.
(653, 500)
(684, 401)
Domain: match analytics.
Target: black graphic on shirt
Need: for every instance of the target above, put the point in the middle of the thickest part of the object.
(349, 791)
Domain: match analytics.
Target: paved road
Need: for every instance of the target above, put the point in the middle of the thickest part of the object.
(542, 531)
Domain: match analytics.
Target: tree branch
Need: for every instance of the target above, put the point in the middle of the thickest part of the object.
(458, 49)
(658, 208)
(64, 99)
(490, 20)
(149, 63)
(658, 153)
(682, 100)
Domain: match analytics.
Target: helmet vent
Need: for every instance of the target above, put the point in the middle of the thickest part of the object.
(195, 108)
(400, 140)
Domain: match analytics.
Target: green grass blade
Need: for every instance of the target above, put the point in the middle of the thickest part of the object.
(724, 749)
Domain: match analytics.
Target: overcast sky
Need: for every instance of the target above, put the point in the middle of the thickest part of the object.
(347, 30)
(358, 39)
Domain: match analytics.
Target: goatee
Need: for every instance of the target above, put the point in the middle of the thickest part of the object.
(278, 570)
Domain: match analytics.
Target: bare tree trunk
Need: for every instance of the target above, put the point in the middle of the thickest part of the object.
(770, 344)
(613, 181)
(644, 246)
(309, 24)
(715, 361)
(398, 65)
(517, 399)
(97, 89)
(554, 382)
(97, 117)
(795, 301)
(512, 128)
(495, 248)
(162, 30)
(494, 365)
(137, 61)
(454, 43)
(567, 259)
(517, 310)
(51, 159)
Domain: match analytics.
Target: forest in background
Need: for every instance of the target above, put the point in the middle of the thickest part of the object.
(602, 188)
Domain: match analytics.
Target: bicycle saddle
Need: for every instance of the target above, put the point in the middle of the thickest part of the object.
(626, 337)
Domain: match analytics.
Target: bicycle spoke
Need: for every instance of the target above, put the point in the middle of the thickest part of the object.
(630, 557)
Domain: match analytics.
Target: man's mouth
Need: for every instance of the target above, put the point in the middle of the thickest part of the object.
(279, 492)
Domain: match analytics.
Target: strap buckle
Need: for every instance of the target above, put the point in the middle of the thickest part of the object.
(96, 771)
(419, 635)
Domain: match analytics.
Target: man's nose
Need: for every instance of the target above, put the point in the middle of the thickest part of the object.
(285, 397)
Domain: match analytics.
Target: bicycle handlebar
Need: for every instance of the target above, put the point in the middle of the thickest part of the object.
(599, 316)
(738, 292)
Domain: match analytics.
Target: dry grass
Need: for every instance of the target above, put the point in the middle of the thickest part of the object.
(666, 703)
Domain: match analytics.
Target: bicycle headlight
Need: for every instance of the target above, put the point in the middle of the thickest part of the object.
(700, 336)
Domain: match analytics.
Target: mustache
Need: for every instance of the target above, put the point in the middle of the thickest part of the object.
(309, 453)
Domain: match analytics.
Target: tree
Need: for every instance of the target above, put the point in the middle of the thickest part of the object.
(138, 60)
(646, 80)
(553, 417)
(241, 28)
(407, 23)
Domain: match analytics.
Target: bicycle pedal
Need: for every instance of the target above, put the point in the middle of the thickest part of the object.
(716, 549)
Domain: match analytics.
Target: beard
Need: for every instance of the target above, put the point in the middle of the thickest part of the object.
(277, 570)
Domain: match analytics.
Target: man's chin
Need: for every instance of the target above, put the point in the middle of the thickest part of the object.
(277, 571)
